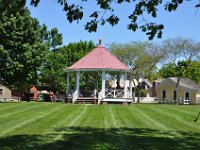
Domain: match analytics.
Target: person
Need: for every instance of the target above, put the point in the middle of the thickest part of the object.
(109, 89)
(51, 96)
(95, 93)
(118, 85)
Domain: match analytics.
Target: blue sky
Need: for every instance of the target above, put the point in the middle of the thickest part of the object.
(185, 22)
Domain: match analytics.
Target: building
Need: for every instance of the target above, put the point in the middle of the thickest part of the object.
(178, 90)
(5, 92)
(153, 89)
(34, 93)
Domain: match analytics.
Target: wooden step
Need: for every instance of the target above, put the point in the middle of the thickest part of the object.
(86, 100)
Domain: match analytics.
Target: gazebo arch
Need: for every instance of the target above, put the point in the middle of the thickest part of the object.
(101, 60)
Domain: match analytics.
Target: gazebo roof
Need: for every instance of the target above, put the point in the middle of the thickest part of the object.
(99, 59)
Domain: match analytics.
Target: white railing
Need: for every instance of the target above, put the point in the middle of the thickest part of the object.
(115, 94)
(128, 94)
(100, 97)
(172, 101)
(145, 99)
(186, 102)
(74, 96)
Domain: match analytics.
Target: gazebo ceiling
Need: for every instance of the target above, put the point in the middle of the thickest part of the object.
(99, 59)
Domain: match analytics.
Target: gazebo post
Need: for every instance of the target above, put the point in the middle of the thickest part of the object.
(125, 85)
(103, 86)
(76, 93)
(118, 78)
(130, 86)
(67, 90)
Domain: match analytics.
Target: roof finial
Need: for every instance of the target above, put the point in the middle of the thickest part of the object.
(100, 41)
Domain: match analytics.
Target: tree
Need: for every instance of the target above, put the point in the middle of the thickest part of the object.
(107, 14)
(23, 46)
(168, 70)
(52, 73)
(55, 38)
(174, 70)
(192, 71)
(180, 49)
(141, 57)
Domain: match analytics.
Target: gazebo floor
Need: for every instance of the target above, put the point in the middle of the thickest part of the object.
(93, 100)
(117, 101)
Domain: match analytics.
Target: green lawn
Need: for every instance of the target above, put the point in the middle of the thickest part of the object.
(63, 126)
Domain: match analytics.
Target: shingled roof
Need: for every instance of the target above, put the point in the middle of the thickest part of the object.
(186, 82)
(99, 59)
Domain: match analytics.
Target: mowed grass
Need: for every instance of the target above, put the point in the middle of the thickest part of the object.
(54, 126)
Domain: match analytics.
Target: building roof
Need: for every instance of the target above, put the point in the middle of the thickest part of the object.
(98, 59)
(4, 86)
(184, 82)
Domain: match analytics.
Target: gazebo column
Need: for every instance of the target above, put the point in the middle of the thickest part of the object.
(103, 87)
(76, 93)
(67, 90)
(118, 78)
(130, 86)
(77, 82)
(125, 85)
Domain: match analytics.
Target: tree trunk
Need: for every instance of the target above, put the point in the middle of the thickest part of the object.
(138, 91)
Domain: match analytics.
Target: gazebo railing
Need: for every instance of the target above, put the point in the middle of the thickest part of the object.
(75, 96)
(115, 93)
(100, 97)
(129, 94)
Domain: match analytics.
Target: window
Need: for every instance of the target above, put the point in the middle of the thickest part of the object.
(163, 94)
(1, 91)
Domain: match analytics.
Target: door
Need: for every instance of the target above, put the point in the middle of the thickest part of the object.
(187, 95)
(187, 98)
(175, 96)
(163, 94)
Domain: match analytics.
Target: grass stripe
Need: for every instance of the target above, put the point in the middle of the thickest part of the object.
(62, 126)
(46, 124)
(6, 107)
(72, 122)
(8, 114)
(20, 117)
(147, 117)
(28, 121)
(191, 125)
(91, 117)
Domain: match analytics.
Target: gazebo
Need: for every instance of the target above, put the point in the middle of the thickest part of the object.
(102, 61)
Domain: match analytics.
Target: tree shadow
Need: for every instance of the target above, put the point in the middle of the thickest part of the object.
(100, 138)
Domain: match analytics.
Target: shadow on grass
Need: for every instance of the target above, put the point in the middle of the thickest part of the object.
(98, 138)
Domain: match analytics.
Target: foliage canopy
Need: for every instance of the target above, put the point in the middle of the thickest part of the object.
(75, 12)
(23, 46)
(52, 73)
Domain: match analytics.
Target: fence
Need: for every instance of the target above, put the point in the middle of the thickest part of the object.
(145, 99)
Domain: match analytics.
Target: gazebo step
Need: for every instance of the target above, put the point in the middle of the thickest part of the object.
(124, 101)
(85, 100)
(117, 100)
